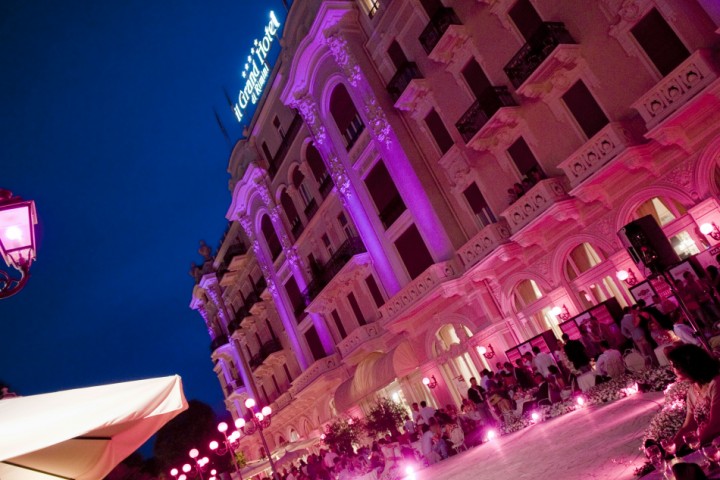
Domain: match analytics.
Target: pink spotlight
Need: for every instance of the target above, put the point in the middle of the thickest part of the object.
(535, 416)
(491, 434)
(182, 477)
(482, 350)
(222, 427)
(250, 403)
(186, 468)
(426, 381)
(259, 416)
(580, 401)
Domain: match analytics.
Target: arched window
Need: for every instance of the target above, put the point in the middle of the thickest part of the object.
(664, 210)
(525, 293)
(298, 178)
(346, 116)
(291, 212)
(271, 237)
(581, 259)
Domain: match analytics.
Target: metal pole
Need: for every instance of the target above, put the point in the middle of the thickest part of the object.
(265, 445)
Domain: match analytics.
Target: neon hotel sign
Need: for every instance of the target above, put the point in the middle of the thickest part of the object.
(257, 71)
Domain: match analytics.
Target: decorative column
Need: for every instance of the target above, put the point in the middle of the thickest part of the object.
(387, 142)
(308, 109)
(202, 309)
(287, 319)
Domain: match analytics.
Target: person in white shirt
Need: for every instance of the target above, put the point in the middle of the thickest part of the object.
(426, 412)
(329, 459)
(417, 416)
(685, 332)
(610, 362)
(542, 361)
(409, 426)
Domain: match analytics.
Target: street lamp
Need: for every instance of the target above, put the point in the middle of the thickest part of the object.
(561, 312)
(229, 444)
(488, 352)
(199, 464)
(17, 240)
(258, 422)
(430, 382)
(627, 276)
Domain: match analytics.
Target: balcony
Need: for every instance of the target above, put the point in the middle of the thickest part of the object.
(436, 28)
(358, 337)
(287, 141)
(327, 272)
(251, 299)
(672, 92)
(235, 250)
(402, 78)
(539, 49)
(311, 209)
(484, 242)
(314, 371)
(267, 349)
(482, 110)
(218, 342)
(236, 323)
(418, 289)
(596, 152)
(535, 201)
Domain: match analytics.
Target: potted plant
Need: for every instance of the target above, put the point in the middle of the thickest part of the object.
(385, 417)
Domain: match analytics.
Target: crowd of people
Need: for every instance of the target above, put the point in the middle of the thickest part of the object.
(521, 188)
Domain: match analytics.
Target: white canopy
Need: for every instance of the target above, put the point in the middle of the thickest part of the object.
(84, 433)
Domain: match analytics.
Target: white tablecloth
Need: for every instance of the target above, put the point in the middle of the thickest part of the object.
(586, 381)
(660, 354)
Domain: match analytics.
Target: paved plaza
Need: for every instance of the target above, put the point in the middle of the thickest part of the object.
(593, 443)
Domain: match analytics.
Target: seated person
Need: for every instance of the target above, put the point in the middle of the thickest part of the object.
(432, 445)
(556, 377)
(610, 362)
(547, 392)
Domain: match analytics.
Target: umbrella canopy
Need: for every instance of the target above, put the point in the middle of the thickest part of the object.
(84, 433)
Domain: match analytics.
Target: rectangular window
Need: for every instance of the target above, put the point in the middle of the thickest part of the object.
(278, 127)
(475, 78)
(413, 252)
(525, 18)
(287, 373)
(383, 192)
(438, 131)
(478, 205)
(338, 324)
(431, 6)
(296, 298)
(396, 54)
(342, 219)
(270, 329)
(356, 309)
(660, 42)
(523, 158)
(313, 340)
(277, 387)
(374, 291)
(328, 244)
(266, 152)
(585, 109)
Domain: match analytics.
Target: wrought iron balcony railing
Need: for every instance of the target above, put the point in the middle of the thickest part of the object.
(266, 350)
(402, 78)
(437, 27)
(311, 209)
(490, 101)
(537, 49)
(327, 272)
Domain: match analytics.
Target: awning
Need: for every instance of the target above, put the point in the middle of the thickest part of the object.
(374, 372)
(84, 433)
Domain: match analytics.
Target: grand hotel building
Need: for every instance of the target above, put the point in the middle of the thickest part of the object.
(372, 240)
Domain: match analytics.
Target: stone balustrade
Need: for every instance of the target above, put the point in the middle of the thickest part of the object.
(433, 276)
(484, 242)
(680, 85)
(357, 337)
(535, 201)
(314, 371)
(596, 152)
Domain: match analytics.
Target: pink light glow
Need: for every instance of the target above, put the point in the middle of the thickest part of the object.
(213, 472)
(186, 468)
(491, 434)
(259, 416)
(580, 401)
(240, 423)
(267, 411)
(182, 477)
(426, 381)
(556, 311)
(214, 445)
(194, 453)
(250, 403)
(482, 350)
(622, 275)
(174, 472)
(535, 416)
(706, 228)
(322, 437)
(222, 427)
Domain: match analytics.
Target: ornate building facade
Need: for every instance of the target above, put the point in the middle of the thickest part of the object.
(424, 179)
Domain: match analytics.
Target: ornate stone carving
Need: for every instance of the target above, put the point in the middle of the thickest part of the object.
(206, 318)
(378, 122)
(307, 108)
(247, 226)
(340, 52)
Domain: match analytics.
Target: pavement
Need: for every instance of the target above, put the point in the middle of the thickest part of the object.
(592, 443)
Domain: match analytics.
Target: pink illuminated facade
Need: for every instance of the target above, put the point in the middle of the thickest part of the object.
(372, 238)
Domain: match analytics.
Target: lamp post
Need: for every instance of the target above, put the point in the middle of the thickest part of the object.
(17, 240)
(199, 464)
(488, 352)
(259, 422)
(228, 446)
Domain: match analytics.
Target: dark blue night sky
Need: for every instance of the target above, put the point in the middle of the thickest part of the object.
(106, 121)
